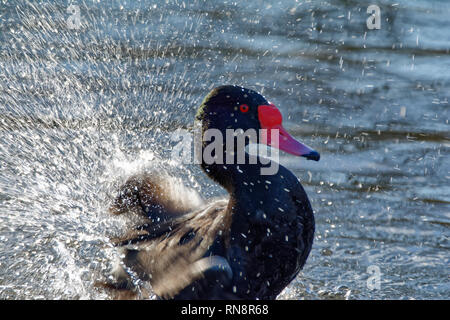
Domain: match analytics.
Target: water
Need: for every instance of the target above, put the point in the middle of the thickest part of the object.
(84, 106)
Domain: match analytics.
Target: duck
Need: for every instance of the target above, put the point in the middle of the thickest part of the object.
(250, 245)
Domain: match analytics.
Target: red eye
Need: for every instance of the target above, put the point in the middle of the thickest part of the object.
(244, 108)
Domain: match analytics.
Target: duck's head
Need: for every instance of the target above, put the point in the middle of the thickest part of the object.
(234, 107)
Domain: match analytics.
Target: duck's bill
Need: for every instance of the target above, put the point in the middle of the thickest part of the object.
(276, 136)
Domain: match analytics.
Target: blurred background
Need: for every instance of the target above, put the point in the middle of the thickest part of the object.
(90, 92)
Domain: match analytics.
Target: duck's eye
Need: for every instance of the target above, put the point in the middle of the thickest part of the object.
(244, 108)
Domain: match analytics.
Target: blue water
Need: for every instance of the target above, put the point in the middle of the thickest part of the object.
(81, 109)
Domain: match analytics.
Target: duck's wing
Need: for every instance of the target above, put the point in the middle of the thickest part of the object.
(155, 196)
(145, 232)
(213, 276)
(184, 254)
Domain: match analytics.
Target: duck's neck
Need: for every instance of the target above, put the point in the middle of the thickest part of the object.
(230, 174)
(233, 174)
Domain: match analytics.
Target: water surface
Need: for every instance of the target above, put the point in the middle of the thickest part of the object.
(81, 109)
